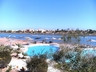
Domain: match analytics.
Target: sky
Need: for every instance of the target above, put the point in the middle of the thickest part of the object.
(47, 14)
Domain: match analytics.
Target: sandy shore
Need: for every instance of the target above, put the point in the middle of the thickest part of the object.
(10, 41)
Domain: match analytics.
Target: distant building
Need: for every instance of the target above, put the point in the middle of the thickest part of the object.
(42, 30)
(29, 30)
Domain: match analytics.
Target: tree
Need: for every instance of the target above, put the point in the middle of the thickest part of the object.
(90, 31)
(71, 38)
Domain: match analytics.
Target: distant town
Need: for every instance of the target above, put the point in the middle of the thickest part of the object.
(57, 31)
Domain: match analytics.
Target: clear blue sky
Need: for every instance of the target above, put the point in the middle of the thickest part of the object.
(47, 14)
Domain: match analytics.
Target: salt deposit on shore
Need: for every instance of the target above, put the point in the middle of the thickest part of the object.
(38, 44)
(10, 41)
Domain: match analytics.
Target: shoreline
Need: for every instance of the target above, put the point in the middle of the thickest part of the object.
(13, 41)
(45, 33)
(10, 41)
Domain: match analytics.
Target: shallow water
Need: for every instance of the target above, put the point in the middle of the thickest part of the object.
(84, 40)
(42, 49)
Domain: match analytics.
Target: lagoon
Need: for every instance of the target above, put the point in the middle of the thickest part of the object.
(47, 37)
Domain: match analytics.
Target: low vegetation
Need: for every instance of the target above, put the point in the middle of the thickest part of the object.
(9, 69)
(19, 45)
(5, 57)
(73, 61)
(37, 64)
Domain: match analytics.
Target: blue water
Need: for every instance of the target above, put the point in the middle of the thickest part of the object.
(33, 36)
(84, 40)
(44, 49)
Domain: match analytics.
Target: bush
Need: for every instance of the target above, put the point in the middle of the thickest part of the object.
(75, 62)
(37, 64)
(19, 45)
(9, 69)
(5, 57)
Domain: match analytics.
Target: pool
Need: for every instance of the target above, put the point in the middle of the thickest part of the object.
(41, 49)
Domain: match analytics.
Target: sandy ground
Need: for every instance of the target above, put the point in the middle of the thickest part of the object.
(9, 41)
(17, 63)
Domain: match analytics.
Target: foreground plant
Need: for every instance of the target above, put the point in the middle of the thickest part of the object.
(9, 69)
(72, 61)
(5, 57)
(37, 64)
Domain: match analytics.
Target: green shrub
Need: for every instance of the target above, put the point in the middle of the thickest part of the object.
(37, 64)
(9, 69)
(5, 57)
(76, 63)
(19, 45)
